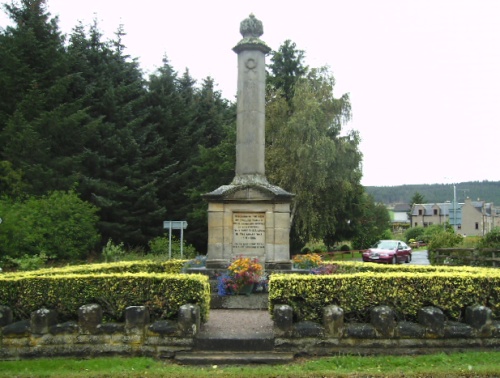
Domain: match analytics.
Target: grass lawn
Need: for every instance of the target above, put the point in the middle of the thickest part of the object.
(342, 256)
(471, 364)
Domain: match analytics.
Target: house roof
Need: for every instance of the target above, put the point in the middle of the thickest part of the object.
(401, 208)
(444, 208)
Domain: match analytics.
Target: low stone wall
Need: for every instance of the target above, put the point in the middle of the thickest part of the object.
(41, 336)
(384, 334)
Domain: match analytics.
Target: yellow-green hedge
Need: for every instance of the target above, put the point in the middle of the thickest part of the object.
(405, 291)
(357, 267)
(162, 293)
(142, 266)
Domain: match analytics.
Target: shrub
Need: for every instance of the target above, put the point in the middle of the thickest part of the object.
(491, 239)
(59, 225)
(113, 252)
(345, 247)
(27, 262)
(414, 233)
(160, 246)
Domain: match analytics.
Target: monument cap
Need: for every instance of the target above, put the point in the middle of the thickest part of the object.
(251, 29)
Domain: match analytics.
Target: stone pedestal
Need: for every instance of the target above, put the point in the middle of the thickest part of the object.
(249, 220)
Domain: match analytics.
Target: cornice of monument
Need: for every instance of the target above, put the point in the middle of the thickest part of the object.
(251, 29)
(226, 191)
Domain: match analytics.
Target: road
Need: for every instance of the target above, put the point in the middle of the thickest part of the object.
(419, 258)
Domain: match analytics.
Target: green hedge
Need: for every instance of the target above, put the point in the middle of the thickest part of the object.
(406, 291)
(162, 293)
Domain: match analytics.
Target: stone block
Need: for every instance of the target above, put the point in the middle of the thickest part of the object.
(454, 330)
(111, 328)
(479, 317)
(215, 207)
(215, 235)
(410, 330)
(283, 320)
(64, 328)
(432, 318)
(89, 317)
(282, 220)
(21, 328)
(136, 317)
(5, 315)
(41, 320)
(269, 219)
(189, 319)
(281, 236)
(495, 329)
(282, 208)
(333, 320)
(215, 219)
(308, 329)
(360, 331)
(383, 319)
(164, 328)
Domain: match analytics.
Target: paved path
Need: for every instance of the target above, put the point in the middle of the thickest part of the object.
(419, 258)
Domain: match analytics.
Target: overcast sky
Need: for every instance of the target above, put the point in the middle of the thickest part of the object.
(423, 75)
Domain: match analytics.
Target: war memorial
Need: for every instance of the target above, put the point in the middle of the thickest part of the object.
(251, 217)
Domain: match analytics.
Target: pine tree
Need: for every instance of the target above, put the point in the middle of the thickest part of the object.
(112, 173)
(41, 121)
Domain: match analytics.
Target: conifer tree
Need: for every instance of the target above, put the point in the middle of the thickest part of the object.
(42, 123)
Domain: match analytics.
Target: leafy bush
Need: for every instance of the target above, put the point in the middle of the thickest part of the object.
(444, 240)
(345, 247)
(415, 233)
(59, 225)
(491, 239)
(159, 246)
(113, 252)
(27, 262)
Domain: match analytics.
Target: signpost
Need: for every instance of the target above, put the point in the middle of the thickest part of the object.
(175, 225)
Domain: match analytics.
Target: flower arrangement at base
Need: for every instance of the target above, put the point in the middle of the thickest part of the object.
(242, 273)
(308, 261)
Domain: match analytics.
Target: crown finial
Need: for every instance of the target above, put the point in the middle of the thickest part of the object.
(251, 27)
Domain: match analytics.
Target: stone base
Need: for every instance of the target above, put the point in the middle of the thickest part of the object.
(273, 266)
(217, 264)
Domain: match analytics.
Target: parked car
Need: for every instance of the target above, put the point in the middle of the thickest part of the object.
(388, 251)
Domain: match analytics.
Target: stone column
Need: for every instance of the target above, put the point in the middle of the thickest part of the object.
(250, 138)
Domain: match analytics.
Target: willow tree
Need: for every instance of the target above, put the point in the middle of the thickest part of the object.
(309, 154)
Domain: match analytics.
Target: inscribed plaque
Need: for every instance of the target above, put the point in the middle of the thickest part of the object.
(249, 232)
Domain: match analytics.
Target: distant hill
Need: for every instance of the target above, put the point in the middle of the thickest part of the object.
(488, 191)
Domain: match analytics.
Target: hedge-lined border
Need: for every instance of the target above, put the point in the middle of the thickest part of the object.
(141, 266)
(357, 267)
(162, 293)
(406, 292)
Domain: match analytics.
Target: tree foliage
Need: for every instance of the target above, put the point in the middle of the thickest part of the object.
(371, 225)
(286, 68)
(309, 154)
(59, 225)
(78, 116)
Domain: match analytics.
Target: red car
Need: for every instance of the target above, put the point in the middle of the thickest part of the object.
(388, 251)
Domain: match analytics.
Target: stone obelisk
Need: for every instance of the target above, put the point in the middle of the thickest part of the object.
(250, 217)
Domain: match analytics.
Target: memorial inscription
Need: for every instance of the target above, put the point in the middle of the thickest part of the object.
(249, 232)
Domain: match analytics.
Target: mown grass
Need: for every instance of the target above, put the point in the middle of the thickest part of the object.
(471, 364)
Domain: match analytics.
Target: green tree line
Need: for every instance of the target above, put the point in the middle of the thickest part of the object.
(78, 116)
(488, 191)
